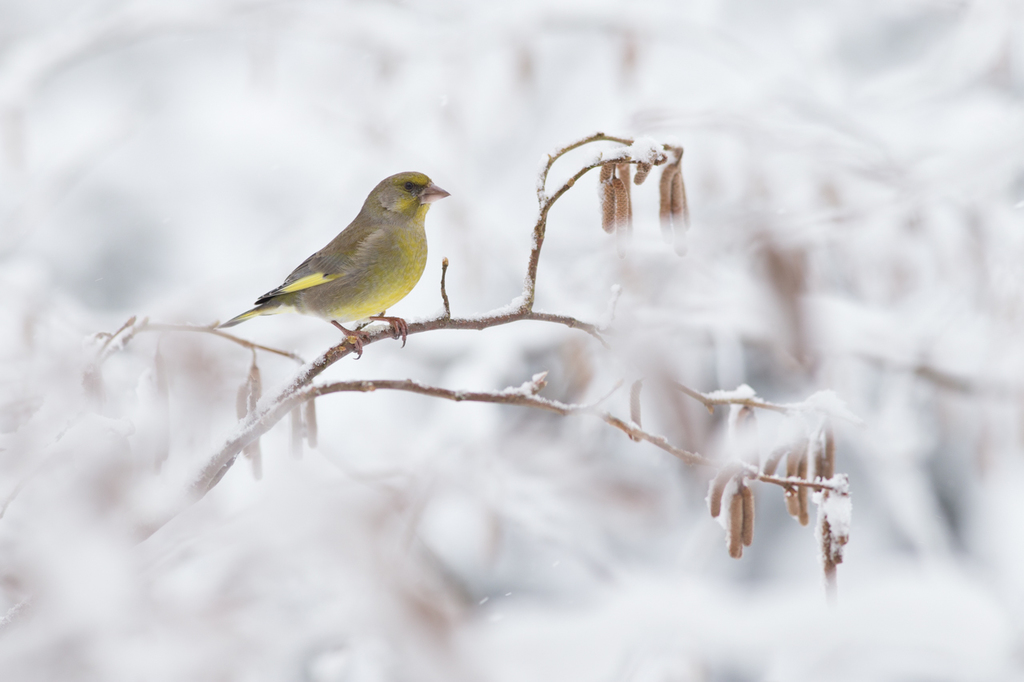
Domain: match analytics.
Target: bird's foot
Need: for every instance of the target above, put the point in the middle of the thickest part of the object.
(399, 327)
(355, 337)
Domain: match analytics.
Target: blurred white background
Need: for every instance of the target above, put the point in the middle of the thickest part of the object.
(174, 160)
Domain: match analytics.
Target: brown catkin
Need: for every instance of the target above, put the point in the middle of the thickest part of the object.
(680, 213)
(623, 215)
(792, 469)
(665, 196)
(828, 469)
(623, 171)
(677, 202)
(748, 515)
(736, 526)
(309, 413)
(717, 488)
(607, 201)
(801, 495)
(643, 169)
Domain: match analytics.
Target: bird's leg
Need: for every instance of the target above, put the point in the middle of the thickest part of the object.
(399, 327)
(356, 337)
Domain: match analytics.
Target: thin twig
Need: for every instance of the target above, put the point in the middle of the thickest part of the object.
(111, 337)
(444, 291)
(796, 482)
(546, 201)
(596, 137)
(147, 326)
(525, 396)
(508, 397)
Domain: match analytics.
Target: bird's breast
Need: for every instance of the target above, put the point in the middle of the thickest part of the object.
(383, 271)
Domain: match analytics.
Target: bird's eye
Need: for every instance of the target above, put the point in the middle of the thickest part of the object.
(409, 186)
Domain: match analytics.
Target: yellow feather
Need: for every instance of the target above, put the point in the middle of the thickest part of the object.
(308, 281)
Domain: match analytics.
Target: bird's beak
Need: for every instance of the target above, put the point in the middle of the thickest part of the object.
(432, 193)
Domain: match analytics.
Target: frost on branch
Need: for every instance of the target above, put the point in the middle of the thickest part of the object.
(833, 526)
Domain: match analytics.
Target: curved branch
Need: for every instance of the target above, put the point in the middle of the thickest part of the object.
(546, 202)
(523, 396)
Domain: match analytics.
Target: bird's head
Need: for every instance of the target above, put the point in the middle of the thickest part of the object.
(408, 194)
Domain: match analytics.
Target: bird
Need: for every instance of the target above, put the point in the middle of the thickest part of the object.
(370, 266)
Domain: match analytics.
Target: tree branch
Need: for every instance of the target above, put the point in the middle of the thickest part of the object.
(545, 202)
(523, 396)
(710, 400)
(129, 329)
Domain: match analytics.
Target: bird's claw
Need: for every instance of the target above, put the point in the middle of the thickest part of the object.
(354, 337)
(399, 327)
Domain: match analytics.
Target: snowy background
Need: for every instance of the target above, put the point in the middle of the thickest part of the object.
(855, 172)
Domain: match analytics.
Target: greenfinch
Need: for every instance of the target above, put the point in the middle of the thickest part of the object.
(371, 265)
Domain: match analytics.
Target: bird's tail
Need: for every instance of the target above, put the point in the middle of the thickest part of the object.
(258, 310)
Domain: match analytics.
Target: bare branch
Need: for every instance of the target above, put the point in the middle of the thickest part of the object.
(147, 326)
(129, 329)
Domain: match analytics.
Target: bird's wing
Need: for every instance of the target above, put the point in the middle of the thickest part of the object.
(328, 264)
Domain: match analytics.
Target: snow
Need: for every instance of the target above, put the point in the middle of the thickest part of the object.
(836, 507)
(855, 184)
(646, 149)
(741, 392)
